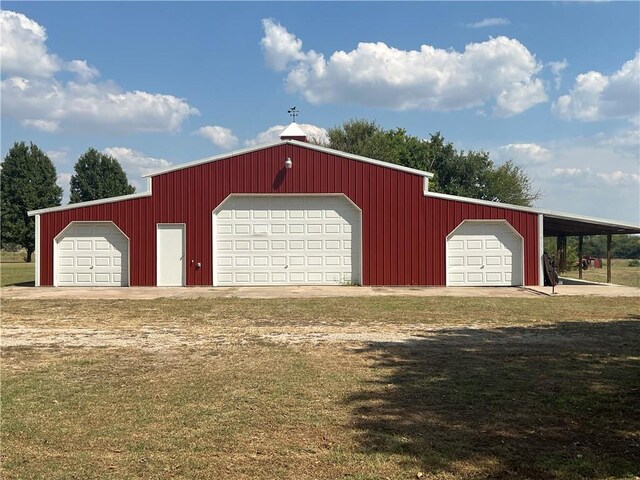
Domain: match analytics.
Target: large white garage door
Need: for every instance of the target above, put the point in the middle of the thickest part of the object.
(484, 254)
(278, 240)
(92, 254)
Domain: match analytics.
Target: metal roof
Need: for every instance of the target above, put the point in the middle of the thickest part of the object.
(558, 223)
(310, 146)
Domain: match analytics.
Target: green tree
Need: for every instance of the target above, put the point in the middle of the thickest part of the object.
(98, 176)
(468, 174)
(28, 182)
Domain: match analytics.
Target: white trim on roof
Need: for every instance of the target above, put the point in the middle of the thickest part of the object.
(546, 213)
(360, 158)
(90, 203)
(310, 146)
(214, 158)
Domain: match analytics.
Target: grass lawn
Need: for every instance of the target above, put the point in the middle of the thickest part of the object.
(357, 388)
(18, 273)
(621, 273)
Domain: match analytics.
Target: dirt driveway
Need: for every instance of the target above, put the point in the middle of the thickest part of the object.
(133, 293)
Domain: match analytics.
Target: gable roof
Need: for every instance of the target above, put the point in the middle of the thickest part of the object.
(224, 156)
(311, 146)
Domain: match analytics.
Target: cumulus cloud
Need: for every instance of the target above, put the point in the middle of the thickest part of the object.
(489, 22)
(281, 47)
(500, 70)
(596, 96)
(219, 136)
(136, 163)
(23, 50)
(32, 94)
(272, 134)
(525, 153)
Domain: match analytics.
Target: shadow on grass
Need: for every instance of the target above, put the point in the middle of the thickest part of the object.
(21, 284)
(548, 402)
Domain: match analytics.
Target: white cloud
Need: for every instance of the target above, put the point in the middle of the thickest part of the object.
(625, 140)
(219, 136)
(272, 134)
(489, 22)
(596, 96)
(51, 105)
(64, 182)
(136, 163)
(23, 50)
(525, 153)
(500, 70)
(82, 69)
(48, 126)
(584, 175)
(587, 177)
(58, 156)
(281, 47)
(38, 100)
(556, 70)
(620, 178)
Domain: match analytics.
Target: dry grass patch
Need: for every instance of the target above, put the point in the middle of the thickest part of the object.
(241, 315)
(532, 390)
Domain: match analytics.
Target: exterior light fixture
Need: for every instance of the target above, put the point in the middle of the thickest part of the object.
(288, 163)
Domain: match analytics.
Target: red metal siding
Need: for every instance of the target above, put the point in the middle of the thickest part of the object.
(448, 214)
(403, 232)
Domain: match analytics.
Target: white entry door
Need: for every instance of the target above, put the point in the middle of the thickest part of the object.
(484, 253)
(171, 255)
(280, 239)
(91, 254)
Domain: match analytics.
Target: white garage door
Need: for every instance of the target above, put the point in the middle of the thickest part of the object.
(484, 254)
(278, 240)
(92, 254)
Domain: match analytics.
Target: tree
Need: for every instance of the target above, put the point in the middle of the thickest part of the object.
(467, 174)
(98, 176)
(28, 182)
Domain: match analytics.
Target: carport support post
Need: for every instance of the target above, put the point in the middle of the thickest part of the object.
(580, 257)
(561, 253)
(609, 258)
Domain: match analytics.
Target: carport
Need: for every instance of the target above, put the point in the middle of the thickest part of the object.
(562, 225)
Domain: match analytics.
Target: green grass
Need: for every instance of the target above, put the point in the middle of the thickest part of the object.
(489, 388)
(621, 273)
(17, 274)
(14, 270)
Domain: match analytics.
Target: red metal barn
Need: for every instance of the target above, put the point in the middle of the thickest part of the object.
(288, 213)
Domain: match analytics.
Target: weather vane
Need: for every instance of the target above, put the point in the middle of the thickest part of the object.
(293, 113)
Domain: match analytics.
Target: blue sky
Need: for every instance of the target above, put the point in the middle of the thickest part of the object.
(553, 86)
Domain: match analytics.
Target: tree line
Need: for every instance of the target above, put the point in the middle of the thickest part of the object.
(456, 172)
(28, 182)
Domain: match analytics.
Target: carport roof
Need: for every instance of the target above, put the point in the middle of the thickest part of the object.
(557, 224)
